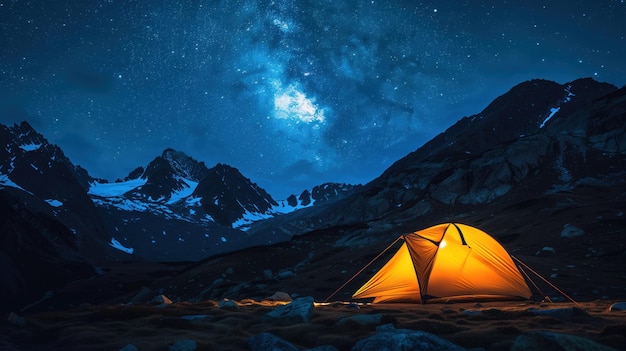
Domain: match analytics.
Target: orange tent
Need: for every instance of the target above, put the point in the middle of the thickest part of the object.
(447, 262)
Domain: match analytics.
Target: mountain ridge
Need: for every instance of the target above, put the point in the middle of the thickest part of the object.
(571, 149)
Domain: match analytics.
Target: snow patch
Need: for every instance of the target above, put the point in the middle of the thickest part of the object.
(249, 217)
(193, 201)
(115, 189)
(284, 207)
(54, 203)
(568, 90)
(553, 111)
(117, 245)
(6, 181)
(30, 147)
(185, 192)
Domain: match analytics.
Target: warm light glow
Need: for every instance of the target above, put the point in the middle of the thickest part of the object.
(423, 267)
(442, 244)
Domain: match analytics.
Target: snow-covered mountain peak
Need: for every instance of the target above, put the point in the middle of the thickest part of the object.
(185, 165)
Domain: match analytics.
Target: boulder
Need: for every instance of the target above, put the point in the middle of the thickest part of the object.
(565, 313)
(227, 304)
(269, 342)
(162, 300)
(15, 320)
(280, 296)
(184, 345)
(618, 306)
(285, 273)
(546, 251)
(549, 341)
(570, 231)
(297, 311)
(391, 339)
(322, 348)
(360, 320)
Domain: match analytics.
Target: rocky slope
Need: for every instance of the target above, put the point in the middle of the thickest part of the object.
(539, 138)
(50, 230)
(541, 169)
(554, 197)
(58, 221)
(553, 194)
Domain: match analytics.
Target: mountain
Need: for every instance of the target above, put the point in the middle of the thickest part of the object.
(177, 209)
(51, 232)
(320, 194)
(173, 209)
(540, 135)
(59, 222)
(542, 169)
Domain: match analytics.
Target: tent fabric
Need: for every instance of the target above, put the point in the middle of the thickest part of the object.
(447, 262)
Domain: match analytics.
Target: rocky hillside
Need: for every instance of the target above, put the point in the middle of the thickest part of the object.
(59, 222)
(541, 169)
(551, 188)
(537, 139)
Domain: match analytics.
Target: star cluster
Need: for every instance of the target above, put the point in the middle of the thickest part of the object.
(293, 93)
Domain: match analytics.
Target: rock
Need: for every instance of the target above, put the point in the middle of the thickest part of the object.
(566, 313)
(16, 320)
(184, 345)
(267, 274)
(322, 348)
(269, 342)
(227, 304)
(386, 328)
(361, 320)
(546, 250)
(472, 313)
(285, 273)
(193, 317)
(129, 347)
(297, 311)
(353, 306)
(162, 300)
(280, 296)
(390, 339)
(618, 306)
(570, 231)
(548, 341)
(141, 295)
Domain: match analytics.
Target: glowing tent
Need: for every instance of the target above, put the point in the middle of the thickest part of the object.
(447, 262)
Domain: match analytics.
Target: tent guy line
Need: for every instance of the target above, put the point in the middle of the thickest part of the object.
(447, 262)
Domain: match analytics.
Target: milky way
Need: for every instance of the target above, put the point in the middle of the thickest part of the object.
(293, 93)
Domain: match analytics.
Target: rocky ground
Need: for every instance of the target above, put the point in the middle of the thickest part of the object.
(301, 324)
(575, 240)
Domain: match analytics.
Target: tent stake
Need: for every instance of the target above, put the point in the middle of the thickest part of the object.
(544, 279)
(533, 282)
(361, 270)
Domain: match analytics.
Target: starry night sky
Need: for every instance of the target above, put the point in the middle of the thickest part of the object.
(292, 93)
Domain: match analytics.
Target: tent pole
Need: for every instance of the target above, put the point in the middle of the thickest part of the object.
(361, 270)
(544, 279)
